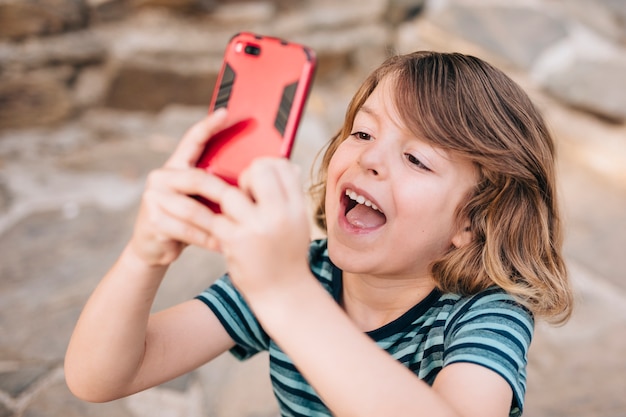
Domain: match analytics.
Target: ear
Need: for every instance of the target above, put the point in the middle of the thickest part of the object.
(463, 236)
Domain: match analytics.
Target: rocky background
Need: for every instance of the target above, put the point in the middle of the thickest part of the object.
(95, 93)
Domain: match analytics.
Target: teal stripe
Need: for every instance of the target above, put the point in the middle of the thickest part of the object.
(488, 329)
(429, 367)
(513, 355)
(249, 318)
(227, 319)
(511, 331)
(297, 406)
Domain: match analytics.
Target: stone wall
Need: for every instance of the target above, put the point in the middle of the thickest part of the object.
(575, 49)
(59, 58)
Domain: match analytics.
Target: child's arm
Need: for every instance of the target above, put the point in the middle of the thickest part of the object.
(264, 236)
(117, 348)
(354, 376)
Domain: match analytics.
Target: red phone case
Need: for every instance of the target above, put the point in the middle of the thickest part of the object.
(264, 83)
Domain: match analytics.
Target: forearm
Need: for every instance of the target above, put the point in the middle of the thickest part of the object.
(352, 374)
(108, 343)
(117, 348)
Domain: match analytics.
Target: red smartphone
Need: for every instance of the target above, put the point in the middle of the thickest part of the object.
(264, 83)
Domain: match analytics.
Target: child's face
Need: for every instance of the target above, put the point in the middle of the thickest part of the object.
(415, 187)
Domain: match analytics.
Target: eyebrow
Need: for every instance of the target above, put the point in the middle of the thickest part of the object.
(368, 110)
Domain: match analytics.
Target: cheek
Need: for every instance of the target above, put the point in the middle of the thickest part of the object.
(337, 165)
(427, 212)
(331, 182)
(332, 179)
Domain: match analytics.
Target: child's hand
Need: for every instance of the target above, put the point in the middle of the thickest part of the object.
(168, 218)
(263, 231)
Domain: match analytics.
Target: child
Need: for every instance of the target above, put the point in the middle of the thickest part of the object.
(443, 245)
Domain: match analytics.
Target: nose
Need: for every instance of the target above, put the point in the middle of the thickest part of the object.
(374, 158)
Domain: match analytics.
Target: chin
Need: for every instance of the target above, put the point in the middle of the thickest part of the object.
(348, 257)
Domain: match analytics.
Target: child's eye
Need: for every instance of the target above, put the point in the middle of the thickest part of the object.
(362, 135)
(413, 160)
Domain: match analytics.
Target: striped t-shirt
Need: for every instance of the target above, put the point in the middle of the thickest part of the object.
(489, 329)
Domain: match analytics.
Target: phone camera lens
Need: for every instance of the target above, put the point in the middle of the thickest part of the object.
(252, 50)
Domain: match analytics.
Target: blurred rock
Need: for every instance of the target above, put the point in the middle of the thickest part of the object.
(152, 88)
(16, 382)
(587, 72)
(322, 15)
(247, 13)
(57, 401)
(515, 32)
(145, 54)
(33, 101)
(5, 195)
(23, 18)
(595, 86)
(177, 5)
(74, 48)
(399, 11)
(579, 60)
(91, 87)
(107, 10)
(607, 17)
(356, 48)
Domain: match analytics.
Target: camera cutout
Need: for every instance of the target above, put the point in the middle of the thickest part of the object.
(252, 50)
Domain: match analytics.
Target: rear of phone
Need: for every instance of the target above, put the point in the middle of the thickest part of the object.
(264, 83)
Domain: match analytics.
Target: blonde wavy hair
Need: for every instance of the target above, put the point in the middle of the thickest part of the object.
(464, 105)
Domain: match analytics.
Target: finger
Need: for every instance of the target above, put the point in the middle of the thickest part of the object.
(273, 181)
(195, 139)
(168, 217)
(290, 177)
(224, 231)
(235, 203)
(190, 181)
(261, 181)
(187, 210)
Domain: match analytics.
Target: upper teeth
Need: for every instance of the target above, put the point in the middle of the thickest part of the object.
(360, 199)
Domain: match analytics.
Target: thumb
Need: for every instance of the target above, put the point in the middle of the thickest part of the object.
(194, 141)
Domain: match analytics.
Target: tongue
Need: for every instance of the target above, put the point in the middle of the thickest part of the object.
(365, 217)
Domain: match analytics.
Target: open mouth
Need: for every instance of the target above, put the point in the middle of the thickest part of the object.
(362, 213)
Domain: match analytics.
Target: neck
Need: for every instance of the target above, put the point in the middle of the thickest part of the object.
(371, 302)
